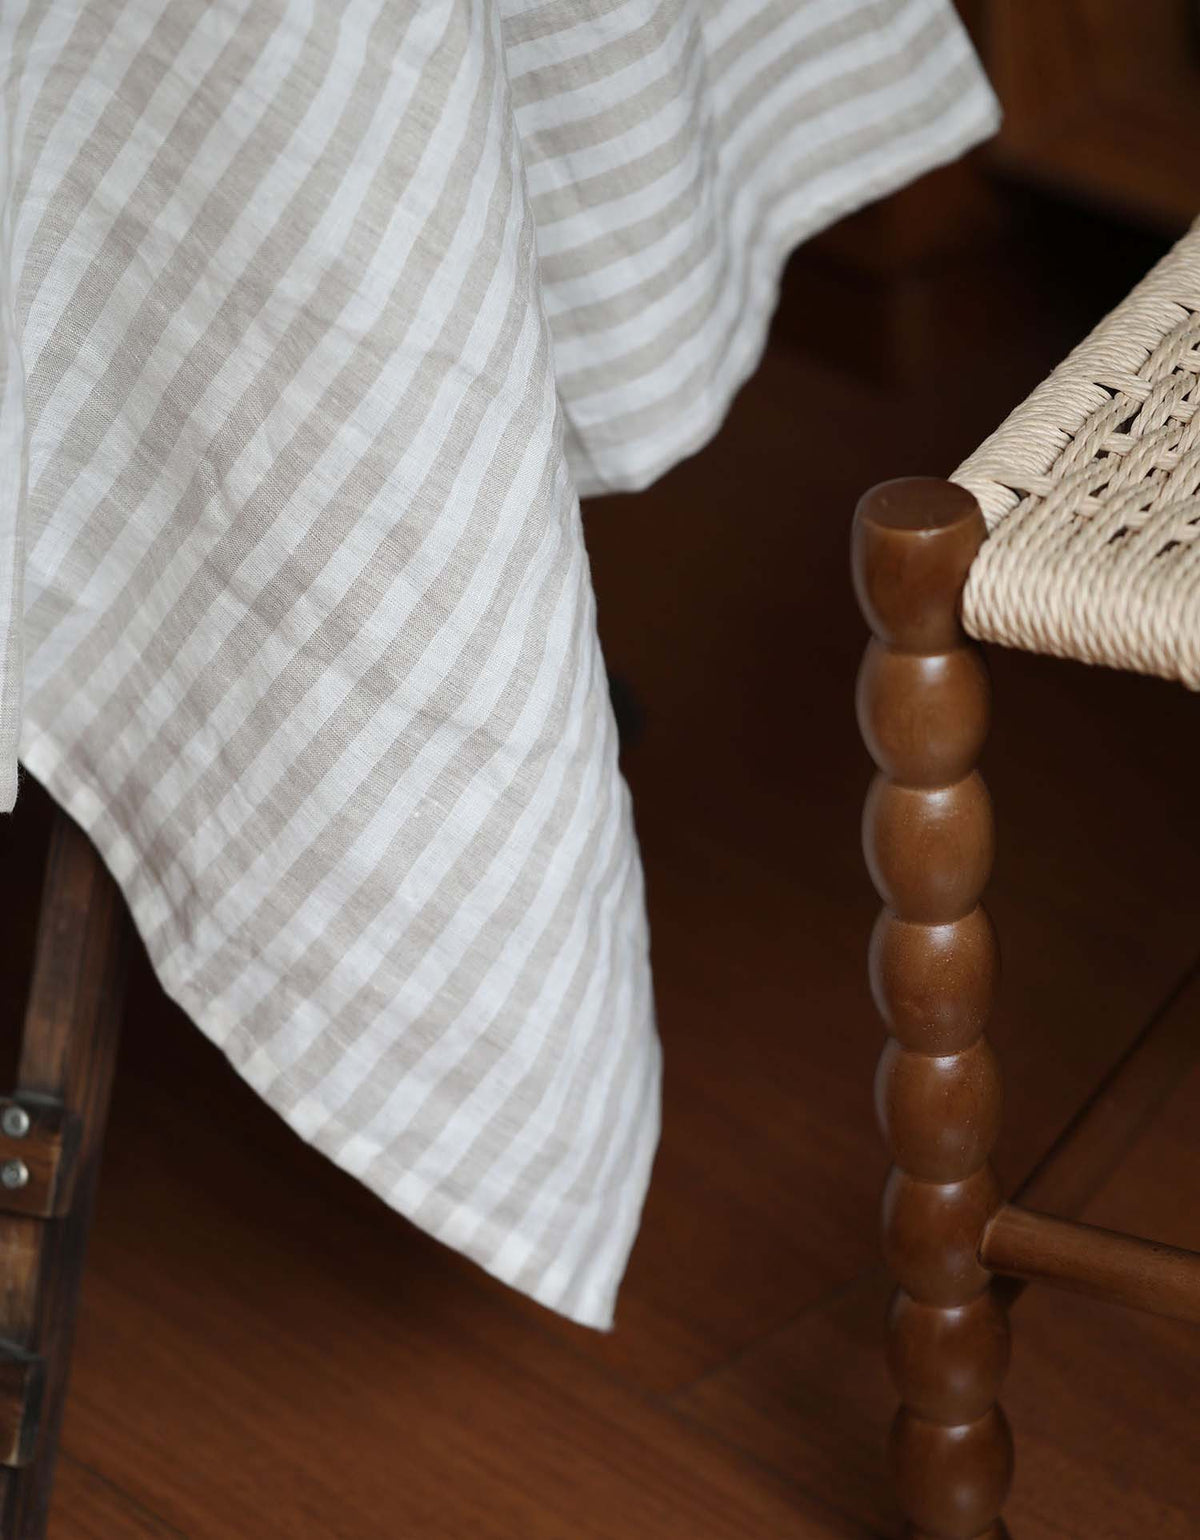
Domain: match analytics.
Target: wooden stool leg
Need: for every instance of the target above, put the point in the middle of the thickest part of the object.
(927, 836)
(50, 1137)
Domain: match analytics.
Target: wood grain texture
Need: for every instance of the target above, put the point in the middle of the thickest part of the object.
(87, 1507)
(22, 1384)
(64, 1078)
(304, 1365)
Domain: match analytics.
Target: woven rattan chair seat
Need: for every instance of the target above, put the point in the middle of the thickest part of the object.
(1091, 493)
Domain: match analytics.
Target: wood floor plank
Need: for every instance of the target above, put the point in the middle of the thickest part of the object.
(90, 1508)
(264, 1352)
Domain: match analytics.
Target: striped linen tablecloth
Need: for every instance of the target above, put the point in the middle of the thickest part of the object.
(316, 319)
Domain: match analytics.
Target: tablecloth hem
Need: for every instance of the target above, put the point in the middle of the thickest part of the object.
(607, 472)
(590, 1304)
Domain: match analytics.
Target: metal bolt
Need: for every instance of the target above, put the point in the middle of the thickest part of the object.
(13, 1174)
(14, 1121)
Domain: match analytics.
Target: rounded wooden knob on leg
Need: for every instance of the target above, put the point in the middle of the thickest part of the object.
(952, 1481)
(933, 984)
(929, 850)
(940, 1113)
(948, 1362)
(913, 543)
(923, 715)
(931, 1233)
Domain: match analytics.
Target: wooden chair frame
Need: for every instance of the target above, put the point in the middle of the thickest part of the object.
(51, 1131)
(957, 1251)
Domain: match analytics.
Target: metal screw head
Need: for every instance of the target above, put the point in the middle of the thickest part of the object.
(14, 1121)
(13, 1174)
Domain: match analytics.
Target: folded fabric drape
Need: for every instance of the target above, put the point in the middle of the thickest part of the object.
(316, 321)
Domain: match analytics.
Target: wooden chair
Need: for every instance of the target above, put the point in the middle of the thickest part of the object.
(1074, 530)
(51, 1130)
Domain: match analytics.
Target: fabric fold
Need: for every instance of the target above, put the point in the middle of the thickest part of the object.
(316, 322)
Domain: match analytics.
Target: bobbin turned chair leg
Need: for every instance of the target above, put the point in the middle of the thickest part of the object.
(927, 837)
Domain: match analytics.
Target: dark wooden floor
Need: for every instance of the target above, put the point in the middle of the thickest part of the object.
(266, 1352)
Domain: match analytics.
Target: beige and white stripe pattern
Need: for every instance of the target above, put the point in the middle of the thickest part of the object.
(316, 320)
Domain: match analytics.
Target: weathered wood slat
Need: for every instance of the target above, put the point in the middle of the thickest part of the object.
(64, 1080)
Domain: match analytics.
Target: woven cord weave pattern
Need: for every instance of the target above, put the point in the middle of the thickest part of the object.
(1091, 491)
